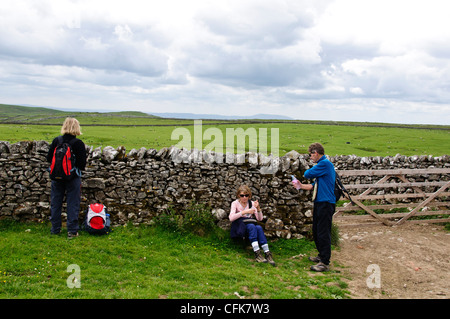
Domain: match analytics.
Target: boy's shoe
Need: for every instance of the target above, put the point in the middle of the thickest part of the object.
(320, 267)
(314, 259)
(72, 235)
(258, 257)
(269, 258)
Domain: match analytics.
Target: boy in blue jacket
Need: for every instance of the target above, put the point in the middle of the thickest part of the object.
(324, 204)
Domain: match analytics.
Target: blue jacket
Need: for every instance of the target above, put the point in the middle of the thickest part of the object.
(325, 176)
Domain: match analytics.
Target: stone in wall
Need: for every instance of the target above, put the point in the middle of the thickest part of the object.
(141, 184)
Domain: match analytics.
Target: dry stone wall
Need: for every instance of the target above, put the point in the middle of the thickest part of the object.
(140, 184)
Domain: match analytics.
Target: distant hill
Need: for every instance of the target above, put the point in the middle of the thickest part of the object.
(17, 110)
(191, 116)
(10, 111)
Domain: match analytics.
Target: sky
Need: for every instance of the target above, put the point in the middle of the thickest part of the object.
(342, 60)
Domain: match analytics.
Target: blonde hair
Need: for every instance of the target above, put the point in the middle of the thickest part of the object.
(244, 189)
(71, 126)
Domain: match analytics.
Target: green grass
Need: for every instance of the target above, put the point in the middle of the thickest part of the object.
(337, 139)
(364, 141)
(147, 131)
(148, 262)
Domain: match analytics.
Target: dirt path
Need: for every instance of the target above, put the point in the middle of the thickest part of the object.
(410, 261)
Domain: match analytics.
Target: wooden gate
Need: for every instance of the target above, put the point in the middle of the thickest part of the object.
(415, 196)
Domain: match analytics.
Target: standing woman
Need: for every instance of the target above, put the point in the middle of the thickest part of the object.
(243, 214)
(70, 188)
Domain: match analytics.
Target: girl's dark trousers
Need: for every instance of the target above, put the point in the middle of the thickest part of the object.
(72, 190)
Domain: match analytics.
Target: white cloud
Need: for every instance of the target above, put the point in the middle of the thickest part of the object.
(393, 26)
(290, 57)
(414, 76)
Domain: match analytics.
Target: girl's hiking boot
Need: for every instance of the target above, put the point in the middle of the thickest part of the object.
(259, 257)
(72, 235)
(269, 258)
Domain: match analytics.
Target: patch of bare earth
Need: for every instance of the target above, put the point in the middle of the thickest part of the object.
(410, 261)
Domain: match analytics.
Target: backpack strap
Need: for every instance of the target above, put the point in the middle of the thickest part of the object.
(344, 190)
(60, 140)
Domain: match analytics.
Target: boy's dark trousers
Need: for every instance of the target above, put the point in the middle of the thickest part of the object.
(322, 219)
(72, 189)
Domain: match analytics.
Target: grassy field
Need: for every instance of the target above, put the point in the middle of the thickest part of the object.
(136, 130)
(149, 262)
(337, 140)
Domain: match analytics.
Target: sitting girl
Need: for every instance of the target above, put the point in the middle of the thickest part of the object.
(244, 214)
